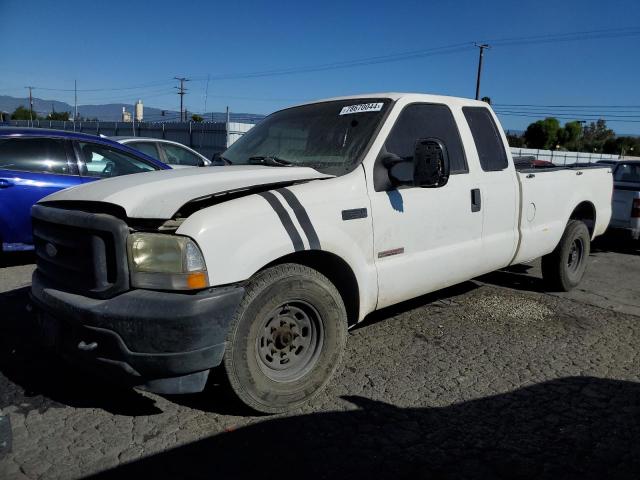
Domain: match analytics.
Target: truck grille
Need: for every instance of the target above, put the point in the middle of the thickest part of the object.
(81, 252)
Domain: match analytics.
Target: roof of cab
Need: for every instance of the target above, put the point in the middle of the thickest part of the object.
(412, 97)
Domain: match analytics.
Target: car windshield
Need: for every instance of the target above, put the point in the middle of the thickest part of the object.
(627, 172)
(330, 136)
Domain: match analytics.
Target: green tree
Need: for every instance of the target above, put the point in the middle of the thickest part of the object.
(543, 133)
(515, 140)
(196, 118)
(595, 135)
(22, 113)
(622, 146)
(570, 136)
(58, 116)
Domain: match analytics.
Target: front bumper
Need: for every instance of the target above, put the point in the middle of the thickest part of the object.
(161, 341)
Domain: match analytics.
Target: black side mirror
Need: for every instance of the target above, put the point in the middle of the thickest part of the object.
(430, 163)
(217, 160)
(400, 169)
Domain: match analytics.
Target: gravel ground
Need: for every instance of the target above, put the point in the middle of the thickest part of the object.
(490, 379)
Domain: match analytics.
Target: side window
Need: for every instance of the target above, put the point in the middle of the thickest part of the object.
(487, 139)
(180, 156)
(38, 155)
(148, 148)
(104, 161)
(427, 120)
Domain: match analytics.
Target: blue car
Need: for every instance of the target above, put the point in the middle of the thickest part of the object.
(36, 162)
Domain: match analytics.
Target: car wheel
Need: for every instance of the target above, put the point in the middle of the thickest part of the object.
(286, 340)
(564, 268)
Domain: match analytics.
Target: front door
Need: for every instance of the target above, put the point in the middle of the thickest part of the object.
(30, 169)
(426, 238)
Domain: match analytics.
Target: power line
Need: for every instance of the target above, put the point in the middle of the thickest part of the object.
(611, 120)
(447, 49)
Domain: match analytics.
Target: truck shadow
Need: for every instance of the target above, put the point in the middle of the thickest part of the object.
(517, 277)
(14, 259)
(576, 427)
(617, 242)
(41, 380)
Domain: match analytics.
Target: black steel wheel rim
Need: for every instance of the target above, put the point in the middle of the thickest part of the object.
(289, 341)
(576, 254)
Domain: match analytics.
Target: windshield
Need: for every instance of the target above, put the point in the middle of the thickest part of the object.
(330, 137)
(627, 172)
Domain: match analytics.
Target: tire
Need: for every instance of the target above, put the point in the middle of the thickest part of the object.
(563, 269)
(286, 340)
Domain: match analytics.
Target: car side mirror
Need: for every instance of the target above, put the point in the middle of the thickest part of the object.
(400, 169)
(430, 163)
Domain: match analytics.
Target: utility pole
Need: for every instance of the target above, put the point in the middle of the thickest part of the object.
(482, 46)
(181, 92)
(30, 105)
(206, 93)
(75, 100)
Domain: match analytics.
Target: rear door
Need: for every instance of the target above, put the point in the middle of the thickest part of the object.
(30, 169)
(498, 189)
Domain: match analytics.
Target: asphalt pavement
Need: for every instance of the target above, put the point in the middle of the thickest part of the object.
(493, 378)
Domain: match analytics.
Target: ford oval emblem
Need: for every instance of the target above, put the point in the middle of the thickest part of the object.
(51, 249)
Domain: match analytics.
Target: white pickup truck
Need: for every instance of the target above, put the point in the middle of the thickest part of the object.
(323, 213)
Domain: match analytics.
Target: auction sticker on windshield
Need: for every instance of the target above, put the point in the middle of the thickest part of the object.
(363, 107)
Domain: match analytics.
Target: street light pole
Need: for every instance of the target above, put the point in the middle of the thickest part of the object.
(481, 46)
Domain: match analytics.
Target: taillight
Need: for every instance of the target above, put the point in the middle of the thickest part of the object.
(635, 208)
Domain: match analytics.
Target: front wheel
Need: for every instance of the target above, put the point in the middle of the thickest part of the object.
(287, 338)
(564, 268)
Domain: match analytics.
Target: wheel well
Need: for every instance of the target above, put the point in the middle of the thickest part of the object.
(336, 270)
(585, 212)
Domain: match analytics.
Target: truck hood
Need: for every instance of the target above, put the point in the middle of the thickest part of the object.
(160, 194)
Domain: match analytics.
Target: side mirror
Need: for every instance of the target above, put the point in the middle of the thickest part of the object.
(400, 169)
(430, 163)
(217, 160)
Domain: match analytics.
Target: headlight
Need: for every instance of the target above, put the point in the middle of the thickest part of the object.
(165, 262)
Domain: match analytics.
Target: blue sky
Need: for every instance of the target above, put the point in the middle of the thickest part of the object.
(117, 44)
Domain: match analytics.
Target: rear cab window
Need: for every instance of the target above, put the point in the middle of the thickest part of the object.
(486, 136)
(36, 155)
(627, 172)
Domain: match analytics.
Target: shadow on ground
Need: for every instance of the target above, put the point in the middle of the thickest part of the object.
(567, 428)
(14, 259)
(517, 277)
(616, 241)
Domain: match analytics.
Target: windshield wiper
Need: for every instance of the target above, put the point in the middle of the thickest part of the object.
(269, 161)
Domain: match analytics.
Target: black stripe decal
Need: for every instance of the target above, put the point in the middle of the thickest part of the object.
(284, 217)
(302, 216)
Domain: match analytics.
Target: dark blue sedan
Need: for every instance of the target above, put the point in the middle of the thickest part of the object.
(36, 162)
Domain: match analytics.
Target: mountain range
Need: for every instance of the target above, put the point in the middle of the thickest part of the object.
(112, 112)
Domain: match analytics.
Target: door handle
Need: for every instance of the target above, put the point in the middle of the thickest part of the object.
(531, 175)
(5, 183)
(476, 200)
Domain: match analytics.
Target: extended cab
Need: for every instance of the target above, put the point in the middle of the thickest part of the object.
(324, 213)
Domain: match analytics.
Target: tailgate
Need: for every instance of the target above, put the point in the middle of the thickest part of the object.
(624, 193)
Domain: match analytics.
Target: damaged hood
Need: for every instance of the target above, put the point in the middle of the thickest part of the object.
(160, 194)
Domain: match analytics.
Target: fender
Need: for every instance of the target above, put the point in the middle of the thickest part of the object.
(241, 236)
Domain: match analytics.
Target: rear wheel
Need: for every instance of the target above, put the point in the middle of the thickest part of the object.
(287, 338)
(564, 268)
